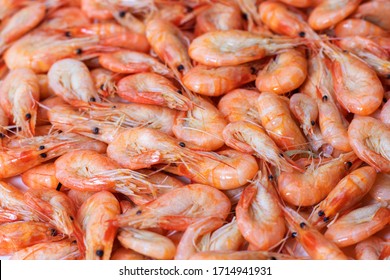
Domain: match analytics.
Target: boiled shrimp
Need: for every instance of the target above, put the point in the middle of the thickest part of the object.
(63, 18)
(41, 177)
(358, 27)
(127, 254)
(375, 12)
(105, 81)
(380, 191)
(369, 139)
(240, 255)
(369, 249)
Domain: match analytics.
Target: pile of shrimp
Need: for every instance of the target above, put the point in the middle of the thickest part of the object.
(195, 129)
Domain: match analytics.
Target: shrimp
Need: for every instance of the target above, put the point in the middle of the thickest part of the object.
(200, 126)
(61, 250)
(31, 152)
(385, 113)
(315, 244)
(369, 139)
(358, 27)
(212, 81)
(130, 62)
(64, 18)
(126, 254)
(369, 249)
(94, 216)
(151, 88)
(251, 138)
(219, 16)
(330, 12)
(105, 81)
(21, 23)
(70, 79)
(234, 47)
(240, 255)
(41, 177)
(44, 90)
(259, 216)
(309, 188)
(238, 105)
(96, 9)
(358, 225)
(284, 73)
(305, 110)
(350, 190)
(375, 12)
(19, 235)
(299, 3)
(147, 243)
(187, 246)
(170, 45)
(177, 209)
(380, 191)
(225, 170)
(275, 117)
(357, 86)
(19, 93)
(79, 197)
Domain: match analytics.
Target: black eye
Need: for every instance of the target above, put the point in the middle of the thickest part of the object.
(326, 219)
(68, 34)
(180, 67)
(325, 98)
(28, 116)
(2, 135)
(58, 188)
(348, 164)
(294, 234)
(99, 253)
(321, 213)
(139, 212)
(53, 232)
(41, 147)
(302, 225)
(92, 99)
(302, 34)
(79, 51)
(182, 144)
(313, 123)
(95, 130)
(122, 14)
(43, 155)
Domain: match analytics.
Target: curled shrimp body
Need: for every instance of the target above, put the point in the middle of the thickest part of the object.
(19, 93)
(276, 118)
(299, 3)
(187, 246)
(63, 18)
(369, 139)
(177, 209)
(147, 243)
(350, 190)
(309, 188)
(151, 88)
(315, 244)
(96, 9)
(385, 113)
(251, 138)
(238, 105)
(105, 81)
(70, 79)
(358, 27)
(19, 235)
(234, 47)
(330, 12)
(129, 62)
(358, 225)
(94, 216)
(211, 81)
(369, 249)
(284, 73)
(61, 250)
(201, 126)
(380, 191)
(259, 216)
(375, 12)
(240, 255)
(41, 177)
(126, 254)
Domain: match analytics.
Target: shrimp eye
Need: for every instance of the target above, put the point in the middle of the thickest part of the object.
(281, 155)
(2, 135)
(321, 213)
(189, 9)
(348, 164)
(313, 123)
(102, 86)
(384, 99)
(95, 130)
(273, 258)
(182, 144)
(68, 34)
(139, 212)
(58, 188)
(244, 16)
(325, 98)
(71, 218)
(270, 177)
(388, 76)
(113, 107)
(43, 155)
(53, 232)
(302, 34)
(326, 219)
(74, 242)
(179, 91)
(28, 116)
(92, 99)
(294, 234)
(99, 253)
(253, 70)
(79, 51)
(41, 147)
(180, 67)
(302, 225)
(122, 14)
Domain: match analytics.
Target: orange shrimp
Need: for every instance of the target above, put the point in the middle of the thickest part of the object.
(385, 113)
(315, 244)
(284, 73)
(63, 18)
(251, 138)
(187, 246)
(129, 62)
(4, 121)
(177, 209)
(276, 118)
(61, 250)
(44, 90)
(147, 243)
(212, 81)
(357, 86)
(21, 23)
(240, 255)
(79, 197)
(169, 43)
(238, 105)
(126, 254)
(7, 7)
(151, 88)
(41, 177)
(309, 188)
(299, 3)
(381, 191)
(375, 11)
(96, 9)
(358, 225)
(350, 190)
(259, 216)
(369, 249)
(70, 79)
(234, 47)
(94, 216)
(369, 139)
(358, 27)
(105, 81)
(200, 126)
(19, 93)
(330, 12)
(19, 235)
